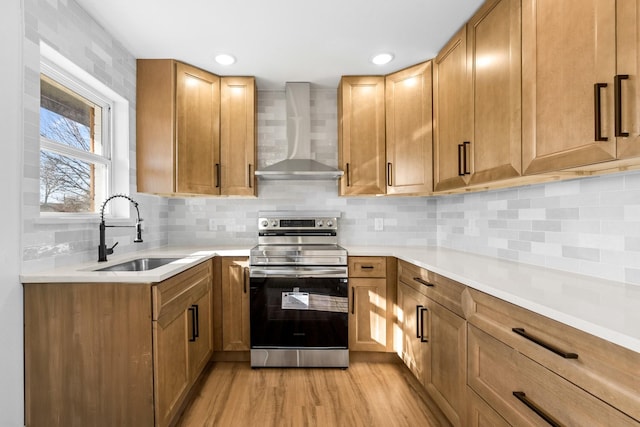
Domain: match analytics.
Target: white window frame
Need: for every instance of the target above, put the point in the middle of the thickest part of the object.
(115, 133)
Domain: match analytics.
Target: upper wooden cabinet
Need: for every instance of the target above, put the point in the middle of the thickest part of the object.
(361, 135)
(191, 138)
(238, 136)
(451, 110)
(628, 63)
(493, 53)
(477, 101)
(409, 142)
(568, 68)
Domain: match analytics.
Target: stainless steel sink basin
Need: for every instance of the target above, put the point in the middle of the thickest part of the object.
(139, 264)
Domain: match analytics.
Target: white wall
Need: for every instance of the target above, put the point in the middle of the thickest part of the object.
(11, 353)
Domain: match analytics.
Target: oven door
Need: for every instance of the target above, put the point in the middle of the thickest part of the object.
(297, 308)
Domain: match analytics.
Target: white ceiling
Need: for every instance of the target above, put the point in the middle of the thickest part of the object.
(284, 40)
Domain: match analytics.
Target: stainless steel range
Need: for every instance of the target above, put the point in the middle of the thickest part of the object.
(299, 291)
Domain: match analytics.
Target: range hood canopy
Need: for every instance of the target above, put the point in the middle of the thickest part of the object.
(299, 165)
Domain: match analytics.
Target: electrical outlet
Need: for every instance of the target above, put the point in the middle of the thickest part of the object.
(212, 225)
(378, 224)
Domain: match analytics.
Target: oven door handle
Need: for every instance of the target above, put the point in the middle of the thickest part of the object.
(326, 272)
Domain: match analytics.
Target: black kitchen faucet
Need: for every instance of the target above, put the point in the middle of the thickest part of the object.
(103, 251)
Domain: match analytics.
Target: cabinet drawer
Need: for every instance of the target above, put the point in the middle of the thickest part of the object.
(604, 369)
(498, 372)
(176, 293)
(439, 288)
(367, 266)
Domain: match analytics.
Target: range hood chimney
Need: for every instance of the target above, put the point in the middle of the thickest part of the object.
(298, 165)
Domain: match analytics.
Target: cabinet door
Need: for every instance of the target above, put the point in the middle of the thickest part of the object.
(567, 47)
(200, 345)
(409, 132)
(494, 52)
(452, 124)
(445, 360)
(412, 304)
(238, 136)
(235, 304)
(197, 130)
(171, 363)
(361, 135)
(368, 314)
(628, 57)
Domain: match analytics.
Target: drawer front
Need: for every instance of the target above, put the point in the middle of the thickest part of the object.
(527, 394)
(480, 414)
(175, 294)
(367, 266)
(439, 288)
(606, 370)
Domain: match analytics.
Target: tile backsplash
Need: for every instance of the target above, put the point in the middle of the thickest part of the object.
(588, 225)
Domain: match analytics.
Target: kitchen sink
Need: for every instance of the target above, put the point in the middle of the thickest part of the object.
(139, 264)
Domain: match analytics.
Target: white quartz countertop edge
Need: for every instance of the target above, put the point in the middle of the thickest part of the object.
(604, 308)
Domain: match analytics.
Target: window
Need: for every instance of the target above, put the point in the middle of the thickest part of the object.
(83, 140)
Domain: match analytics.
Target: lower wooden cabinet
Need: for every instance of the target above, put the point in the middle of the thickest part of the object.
(182, 337)
(480, 414)
(115, 354)
(571, 376)
(434, 338)
(371, 299)
(233, 290)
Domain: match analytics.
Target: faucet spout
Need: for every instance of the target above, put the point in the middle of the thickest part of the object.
(103, 251)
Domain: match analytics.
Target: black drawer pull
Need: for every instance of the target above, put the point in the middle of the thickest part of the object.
(522, 397)
(424, 282)
(554, 349)
(366, 267)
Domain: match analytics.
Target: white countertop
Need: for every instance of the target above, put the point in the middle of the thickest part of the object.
(85, 273)
(606, 309)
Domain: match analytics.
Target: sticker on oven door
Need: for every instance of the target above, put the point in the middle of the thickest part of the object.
(295, 300)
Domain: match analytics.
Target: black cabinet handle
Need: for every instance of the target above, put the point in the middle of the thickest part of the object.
(596, 109)
(366, 267)
(418, 323)
(423, 338)
(617, 95)
(244, 279)
(465, 171)
(348, 176)
(424, 282)
(552, 348)
(249, 175)
(217, 175)
(522, 397)
(193, 337)
(389, 172)
(197, 322)
(353, 300)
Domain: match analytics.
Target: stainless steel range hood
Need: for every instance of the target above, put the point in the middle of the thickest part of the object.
(299, 165)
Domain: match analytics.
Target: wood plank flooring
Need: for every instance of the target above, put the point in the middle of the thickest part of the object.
(367, 394)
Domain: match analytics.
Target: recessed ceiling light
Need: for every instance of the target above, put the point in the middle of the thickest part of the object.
(225, 59)
(382, 58)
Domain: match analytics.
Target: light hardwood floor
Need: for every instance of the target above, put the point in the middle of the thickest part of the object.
(367, 394)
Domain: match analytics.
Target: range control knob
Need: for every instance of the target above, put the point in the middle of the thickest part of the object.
(329, 223)
(319, 223)
(264, 223)
(274, 223)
